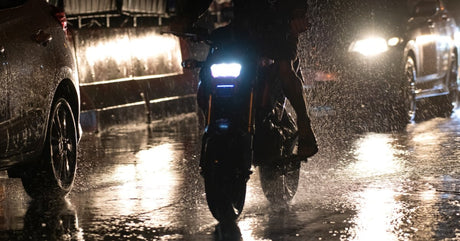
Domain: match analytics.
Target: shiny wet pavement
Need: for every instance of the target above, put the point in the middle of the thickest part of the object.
(144, 184)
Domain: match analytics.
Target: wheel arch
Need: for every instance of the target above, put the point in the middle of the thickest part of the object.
(412, 55)
(66, 89)
(455, 53)
(411, 50)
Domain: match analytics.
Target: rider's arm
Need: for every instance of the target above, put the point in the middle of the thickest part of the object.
(187, 12)
(191, 8)
(298, 10)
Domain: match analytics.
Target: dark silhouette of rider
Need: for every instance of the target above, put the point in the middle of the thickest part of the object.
(275, 26)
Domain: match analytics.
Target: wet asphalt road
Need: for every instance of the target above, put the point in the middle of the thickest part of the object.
(140, 184)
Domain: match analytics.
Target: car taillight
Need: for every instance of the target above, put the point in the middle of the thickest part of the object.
(60, 15)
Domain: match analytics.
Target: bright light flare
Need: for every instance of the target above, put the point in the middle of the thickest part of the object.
(394, 41)
(370, 46)
(226, 70)
(124, 48)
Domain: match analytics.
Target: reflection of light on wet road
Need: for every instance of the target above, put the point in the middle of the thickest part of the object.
(377, 206)
(424, 137)
(247, 226)
(375, 156)
(148, 182)
(377, 217)
(429, 141)
(428, 195)
(370, 186)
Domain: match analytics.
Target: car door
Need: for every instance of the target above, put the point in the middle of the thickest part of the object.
(445, 45)
(426, 25)
(31, 66)
(426, 43)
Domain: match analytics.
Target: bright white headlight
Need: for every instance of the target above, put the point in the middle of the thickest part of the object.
(226, 70)
(394, 41)
(369, 46)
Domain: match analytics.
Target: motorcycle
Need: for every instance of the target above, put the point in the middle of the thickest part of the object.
(247, 123)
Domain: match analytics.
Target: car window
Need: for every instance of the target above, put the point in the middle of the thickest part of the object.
(11, 3)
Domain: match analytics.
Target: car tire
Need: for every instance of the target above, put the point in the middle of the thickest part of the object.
(409, 101)
(405, 104)
(53, 176)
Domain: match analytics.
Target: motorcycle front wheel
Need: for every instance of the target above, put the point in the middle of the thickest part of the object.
(225, 194)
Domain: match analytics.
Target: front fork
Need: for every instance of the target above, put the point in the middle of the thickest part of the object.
(226, 151)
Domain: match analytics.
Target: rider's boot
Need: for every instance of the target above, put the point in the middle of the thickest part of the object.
(307, 143)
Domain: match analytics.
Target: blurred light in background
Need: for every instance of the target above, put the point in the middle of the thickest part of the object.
(124, 48)
(126, 54)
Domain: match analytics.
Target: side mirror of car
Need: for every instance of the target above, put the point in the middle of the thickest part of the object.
(425, 9)
(191, 64)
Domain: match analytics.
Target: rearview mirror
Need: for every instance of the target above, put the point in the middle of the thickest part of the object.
(191, 64)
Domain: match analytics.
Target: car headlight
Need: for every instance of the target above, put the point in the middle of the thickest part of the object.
(394, 41)
(226, 70)
(373, 46)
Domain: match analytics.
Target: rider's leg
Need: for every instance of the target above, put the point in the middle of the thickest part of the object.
(293, 89)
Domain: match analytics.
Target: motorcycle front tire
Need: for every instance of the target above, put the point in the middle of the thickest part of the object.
(225, 194)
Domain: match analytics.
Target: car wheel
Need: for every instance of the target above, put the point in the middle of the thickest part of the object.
(54, 174)
(410, 103)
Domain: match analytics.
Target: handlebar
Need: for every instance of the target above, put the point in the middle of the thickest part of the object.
(196, 35)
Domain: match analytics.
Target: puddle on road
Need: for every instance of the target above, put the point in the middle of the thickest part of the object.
(144, 184)
(401, 186)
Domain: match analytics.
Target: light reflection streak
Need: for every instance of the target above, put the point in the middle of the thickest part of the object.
(378, 217)
(426, 39)
(427, 141)
(376, 156)
(424, 138)
(149, 182)
(379, 213)
(247, 226)
(429, 195)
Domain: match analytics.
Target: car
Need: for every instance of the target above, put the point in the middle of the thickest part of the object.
(39, 98)
(392, 61)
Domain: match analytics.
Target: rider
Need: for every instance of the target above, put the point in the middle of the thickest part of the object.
(282, 21)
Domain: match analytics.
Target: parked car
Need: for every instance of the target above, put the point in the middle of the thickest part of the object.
(381, 59)
(39, 98)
